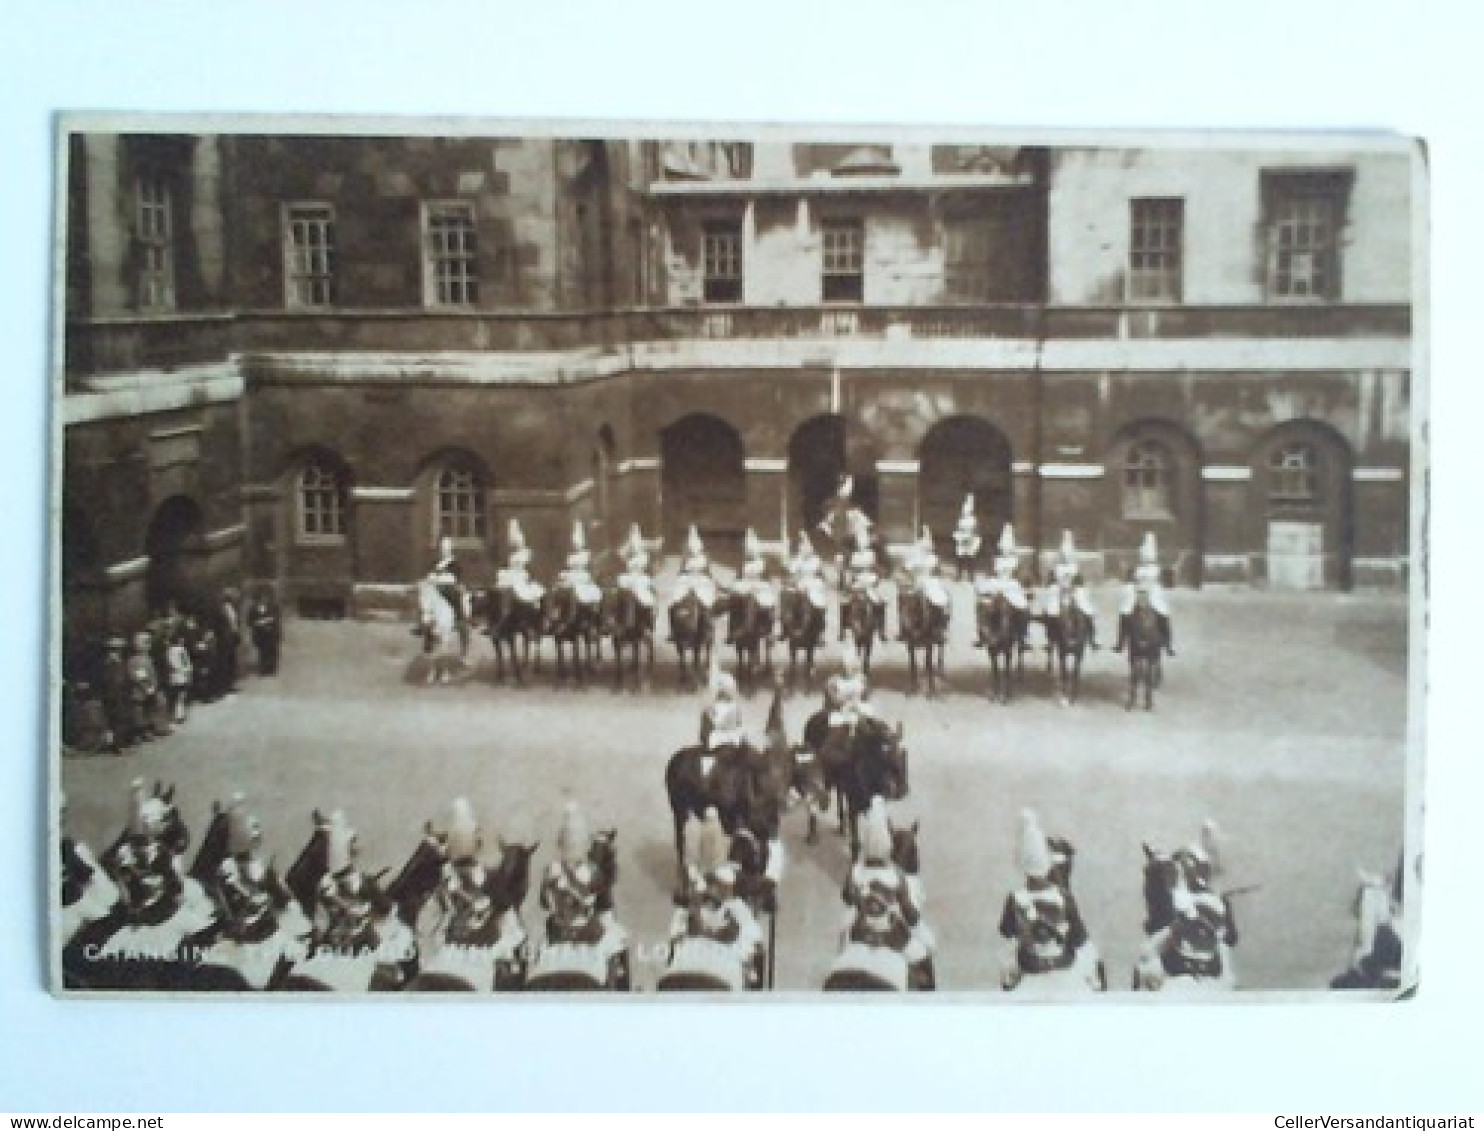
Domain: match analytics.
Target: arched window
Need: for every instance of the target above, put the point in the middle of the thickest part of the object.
(1295, 468)
(1147, 473)
(459, 504)
(321, 498)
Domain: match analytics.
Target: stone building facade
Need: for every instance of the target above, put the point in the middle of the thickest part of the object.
(299, 361)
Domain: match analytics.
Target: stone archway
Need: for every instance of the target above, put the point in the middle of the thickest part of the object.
(816, 460)
(174, 541)
(703, 481)
(963, 455)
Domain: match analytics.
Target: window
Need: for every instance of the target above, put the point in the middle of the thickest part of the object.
(1147, 471)
(966, 259)
(1305, 214)
(450, 276)
(1295, 471)
(721, 255)
(321, 504)
(1156, 228)
(459, 509)
(153, 233)
(843, 243)
(308, 255)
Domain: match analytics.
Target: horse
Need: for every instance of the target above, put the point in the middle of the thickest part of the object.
(802, 623)
(859, 761)
(860, 619)
(572, 624)
(694, 636)
(746, 785)
(1377, 959)
(514, 626)
(1001, 633)
(1069, 633)
(444, 630)
(629, 624)
(1145, 641)
(752, 635)
(924, 628)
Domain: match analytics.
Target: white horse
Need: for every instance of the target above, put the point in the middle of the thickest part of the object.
(444, 631)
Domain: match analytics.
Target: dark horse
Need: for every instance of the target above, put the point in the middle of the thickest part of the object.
(1069, 634)
(694, 635)
(629, 624)
(751, 632)
(1002, 635)
(514, 626)
(572, 625)
(746, 786)
(1145, 642)
(924, 628)
(860, 619)
(802, 622)
(859, 762)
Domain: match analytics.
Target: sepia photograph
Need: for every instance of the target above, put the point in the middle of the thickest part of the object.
(751, 562)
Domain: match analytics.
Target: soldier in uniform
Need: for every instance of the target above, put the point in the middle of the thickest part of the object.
(118, 700)
(753, 583)
(246, 888)
(144, 690)
(1203, 924)
(847, 695)
(966, 539)
(516, 576)
(177, 675)
(1005, 582)
(266, 626)
(804, 570)
(721, 719)
(578, 577)
(1067, 587)
(883, 909)
(922, 568)
(349, 901)
(466, 883)
(1040, 921)
(695, 574)
(636, 578)
(579, 910)
(862, 576)
(143, 863)
(1147, 582)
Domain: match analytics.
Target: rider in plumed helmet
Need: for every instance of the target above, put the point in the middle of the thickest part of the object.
(1203, 923)
(804, 569)
(636, 578)
(966, 539)
(1147, 583)
(1040, 921)
(753, 583)
(349, 900)
(516, 576)
(448, 576)
(571, 889)
(1067, 585)
(883, 907)
(695, 572)
(1004, 581)
(721, 719)
(578, 575)
(922, 566)
(862, 572)
(246, 887)
(465, 879)
(848, 693)
(142, 862)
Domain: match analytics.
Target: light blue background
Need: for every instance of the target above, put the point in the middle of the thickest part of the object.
(1126, 64)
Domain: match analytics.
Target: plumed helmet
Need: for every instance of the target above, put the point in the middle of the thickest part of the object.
(244, 830)
(722, 879)
(1007, 541)
(341, 843)
(445, 547)
(834, 688)
(463, 841)
(968, 508)
(638, 560)
(846, 487)
(706, 842)
(723, 685)
(573, 840)
(876, 834)
(1068, 548)
(806, 547)
(750, 544)
(1149, 550)
(579, 537)
(1035, 854)
(147, 811)
(515, 536)
(634, 543)
(693, 544)
(520, 558)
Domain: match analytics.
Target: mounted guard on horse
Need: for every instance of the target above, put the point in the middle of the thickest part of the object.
(1047, 942)
(716, 942)
(585, 947)
(1071, 621)
(691, 609)
(861, 587)
(1191, 928)
(1002, 616)
(514, 607)
(804, 607)
(628, 611)
(924, 609)
(886, 944)
(444, 609)
(752, 608)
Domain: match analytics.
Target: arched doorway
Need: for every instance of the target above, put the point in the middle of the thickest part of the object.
(816, 460)
(1153, 486)
(1301, 477)
(964, 455)
(176, 535)
(703, 481)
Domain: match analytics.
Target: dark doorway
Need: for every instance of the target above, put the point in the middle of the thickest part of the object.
(176, 536)
(704, 481)
(816, 460)
(959, 456)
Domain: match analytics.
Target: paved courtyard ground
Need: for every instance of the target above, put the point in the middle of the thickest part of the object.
(1283, 717)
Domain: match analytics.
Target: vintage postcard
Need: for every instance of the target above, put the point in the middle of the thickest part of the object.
(634, 558)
